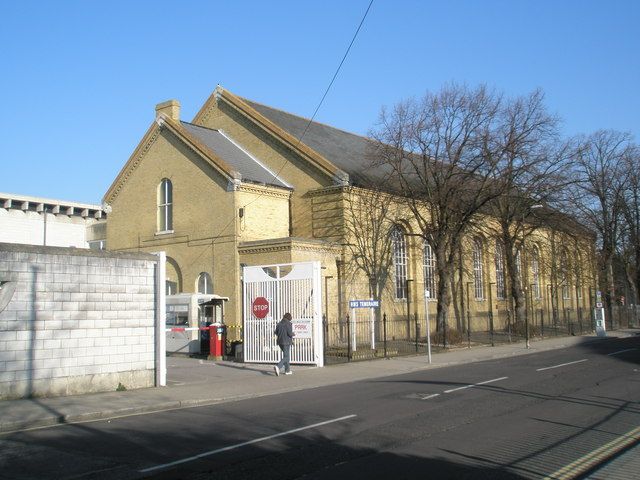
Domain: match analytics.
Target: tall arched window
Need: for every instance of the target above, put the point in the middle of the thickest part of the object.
(499, 260)
(564, 274)
(578, 271)
(535, 271)
(478, 277)
(165, 206)
(399, 245)
(429, 269)
(204, 283)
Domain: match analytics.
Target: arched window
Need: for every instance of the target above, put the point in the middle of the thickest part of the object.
(564, 274)
(165, 206)
(204, 283)
(578, 271)
(535, 271)
(173, 277)
(499, 260)
(478, 277)
(399, 245)
(429, 269)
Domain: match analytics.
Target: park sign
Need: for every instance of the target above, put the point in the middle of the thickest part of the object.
(364, 303)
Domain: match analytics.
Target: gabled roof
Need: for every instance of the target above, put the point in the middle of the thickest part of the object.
(343, 155)
(289, 140)
(231, 161)
(348, 151)
(249, 168)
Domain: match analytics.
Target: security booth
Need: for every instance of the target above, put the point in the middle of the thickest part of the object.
(188, 321)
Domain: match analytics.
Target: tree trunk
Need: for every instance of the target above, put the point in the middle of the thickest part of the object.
(444, 300)
(611, 289)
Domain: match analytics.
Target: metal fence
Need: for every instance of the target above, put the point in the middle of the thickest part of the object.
(390, 336)
(398, 335)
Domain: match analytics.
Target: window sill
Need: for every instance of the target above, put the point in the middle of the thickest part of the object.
(164, 232)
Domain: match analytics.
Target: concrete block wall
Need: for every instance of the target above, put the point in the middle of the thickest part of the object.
(77, 321)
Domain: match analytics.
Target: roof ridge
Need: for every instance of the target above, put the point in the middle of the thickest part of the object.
(304, 118)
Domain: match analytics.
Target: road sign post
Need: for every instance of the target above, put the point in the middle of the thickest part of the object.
(427, 296)
(371, 304)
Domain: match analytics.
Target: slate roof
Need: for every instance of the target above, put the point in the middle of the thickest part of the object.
(347, 151)
(250, 169)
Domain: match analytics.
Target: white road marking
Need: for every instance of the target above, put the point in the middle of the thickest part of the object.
(622, 351)
(243, 444)
(475, 384)
(427, 397)
(561, 365)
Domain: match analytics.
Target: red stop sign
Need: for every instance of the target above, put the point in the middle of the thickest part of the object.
(260, 307)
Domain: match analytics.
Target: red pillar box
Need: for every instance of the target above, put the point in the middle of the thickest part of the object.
(216, 341)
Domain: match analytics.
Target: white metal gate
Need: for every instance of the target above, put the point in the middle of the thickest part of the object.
(269, 292)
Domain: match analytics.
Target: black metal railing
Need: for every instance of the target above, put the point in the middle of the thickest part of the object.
(383, 335)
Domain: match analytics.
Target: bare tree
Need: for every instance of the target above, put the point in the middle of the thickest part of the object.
(531, 159)
(368, 221)
(630, 247)
(601, 183)
(436, 153)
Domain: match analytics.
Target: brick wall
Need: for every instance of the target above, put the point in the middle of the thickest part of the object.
(77, 321)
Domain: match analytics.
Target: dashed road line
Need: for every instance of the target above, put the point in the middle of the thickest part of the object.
(243, 444)
(561, 365)
(428, 397)
(475, 384)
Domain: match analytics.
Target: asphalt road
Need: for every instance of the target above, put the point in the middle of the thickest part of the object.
(571, 413)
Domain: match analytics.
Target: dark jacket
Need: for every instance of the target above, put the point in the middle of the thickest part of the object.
(284, 332)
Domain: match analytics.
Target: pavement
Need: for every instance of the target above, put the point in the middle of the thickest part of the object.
(192, 382)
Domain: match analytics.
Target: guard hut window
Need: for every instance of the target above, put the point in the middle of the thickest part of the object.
(165, 206)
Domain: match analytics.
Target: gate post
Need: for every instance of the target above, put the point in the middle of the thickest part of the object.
(160, 325)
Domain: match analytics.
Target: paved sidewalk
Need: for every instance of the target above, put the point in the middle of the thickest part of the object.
(193, 382)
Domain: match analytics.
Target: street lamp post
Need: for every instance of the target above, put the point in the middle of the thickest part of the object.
(468, 317)
(526, 320)
(522, 274)
(427, 296)
(491, 313)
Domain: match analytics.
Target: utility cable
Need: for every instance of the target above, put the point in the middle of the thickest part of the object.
(335, 75)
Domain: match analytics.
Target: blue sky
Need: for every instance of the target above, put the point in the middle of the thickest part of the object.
(80, 79)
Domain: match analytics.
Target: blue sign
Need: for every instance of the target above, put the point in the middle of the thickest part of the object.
(364, 303)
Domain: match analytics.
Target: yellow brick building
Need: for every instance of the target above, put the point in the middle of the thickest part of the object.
(237, 186)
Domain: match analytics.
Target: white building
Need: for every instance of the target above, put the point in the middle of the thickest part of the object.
(42, 221)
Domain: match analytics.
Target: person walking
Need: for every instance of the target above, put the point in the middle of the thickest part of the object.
(284, 332)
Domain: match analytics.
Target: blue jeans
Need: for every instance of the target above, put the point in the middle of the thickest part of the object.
(286, 355)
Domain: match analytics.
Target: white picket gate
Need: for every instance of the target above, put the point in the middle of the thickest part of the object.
(269, 292)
